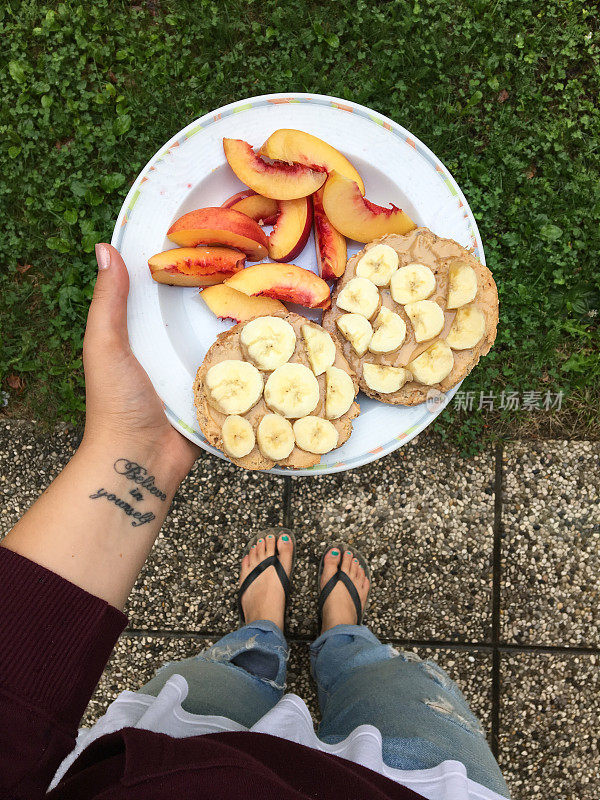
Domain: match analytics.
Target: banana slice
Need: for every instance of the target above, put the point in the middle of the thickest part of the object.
(378, 264)
(319, 347)
(433, 365)
(427, 319)
(390, 332)
(233, 386)
(462, 284)
(238, 436)
(384, 379)
(359, 296)
(467, 328)
(275, 437)
(268, 341)
(357, 330)
(292, 391)
(316, 435)
(412, 283)
(339, 392)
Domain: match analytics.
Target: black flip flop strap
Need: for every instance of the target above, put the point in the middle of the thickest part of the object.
(270, 561)
(347, 581)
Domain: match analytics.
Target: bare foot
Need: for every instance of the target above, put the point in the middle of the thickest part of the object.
(339, 608)
(265, 598)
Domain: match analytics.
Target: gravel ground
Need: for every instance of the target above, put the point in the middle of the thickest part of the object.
(551, 547)
(424, 519)
(549, 730)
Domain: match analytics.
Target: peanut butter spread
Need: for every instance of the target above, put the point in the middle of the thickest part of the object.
(423, 247)
(228, 346)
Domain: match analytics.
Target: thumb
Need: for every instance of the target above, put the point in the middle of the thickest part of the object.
(108, 311)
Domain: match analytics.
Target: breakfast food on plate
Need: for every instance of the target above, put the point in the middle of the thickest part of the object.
(220, 226)
(228, 303)
(195, 266)
(330, 245)
(278, 180)
(412, 313)
(276, 390)
(284, 282)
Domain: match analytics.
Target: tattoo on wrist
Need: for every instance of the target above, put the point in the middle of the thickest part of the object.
(142, 480)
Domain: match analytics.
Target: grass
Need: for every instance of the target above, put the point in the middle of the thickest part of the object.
(505, 93)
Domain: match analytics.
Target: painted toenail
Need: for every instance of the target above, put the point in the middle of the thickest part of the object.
(259, 541)
(253, 546)
(334, 553)
(270, 536)
(356, 560)
(349, 553)
(285, 538)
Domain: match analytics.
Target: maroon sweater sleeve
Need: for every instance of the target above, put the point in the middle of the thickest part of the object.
(55, 640)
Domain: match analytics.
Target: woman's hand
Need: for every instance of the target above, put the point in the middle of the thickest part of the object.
(121, 404)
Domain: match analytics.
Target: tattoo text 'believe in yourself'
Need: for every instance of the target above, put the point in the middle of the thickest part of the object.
(139, 475)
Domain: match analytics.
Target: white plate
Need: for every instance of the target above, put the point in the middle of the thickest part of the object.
(171, 329)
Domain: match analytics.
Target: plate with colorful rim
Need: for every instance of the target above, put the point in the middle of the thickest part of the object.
(171, 329)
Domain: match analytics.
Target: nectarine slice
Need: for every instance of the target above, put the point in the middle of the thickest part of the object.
(227, 303)
(300, 147)
(282, 281)
(330, 245)
(356, 217)
(235, 198)
(292, 229)
(261, 209)
(220, 226)
(280, 181)
(188, 266)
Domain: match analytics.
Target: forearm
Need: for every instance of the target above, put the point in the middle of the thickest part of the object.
(96, 523)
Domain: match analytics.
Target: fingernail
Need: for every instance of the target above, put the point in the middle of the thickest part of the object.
(285, 538)
(102, 256)
(334, 553)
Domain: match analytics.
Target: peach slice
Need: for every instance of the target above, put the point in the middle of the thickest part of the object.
(292, 229)
(330, 245)
(192, 266)
(280, 181)
(284, 282)
(356, 217)
(220, 226)
(235, 198)
(227, 303)
(261, 209)
(299, 147)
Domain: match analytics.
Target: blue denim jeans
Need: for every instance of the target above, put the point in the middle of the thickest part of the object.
(421, 713)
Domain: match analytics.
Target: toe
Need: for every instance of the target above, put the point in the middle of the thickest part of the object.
(330, 564)
(253, 555)
(356, 569)
(347, 562)
(245, 568)
(270, 544)
(260, 548)
(285, 550)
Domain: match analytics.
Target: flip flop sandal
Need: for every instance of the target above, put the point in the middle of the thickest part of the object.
(269, 561)
(341, 576)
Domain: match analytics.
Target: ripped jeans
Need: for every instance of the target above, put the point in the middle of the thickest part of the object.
(421, 713)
